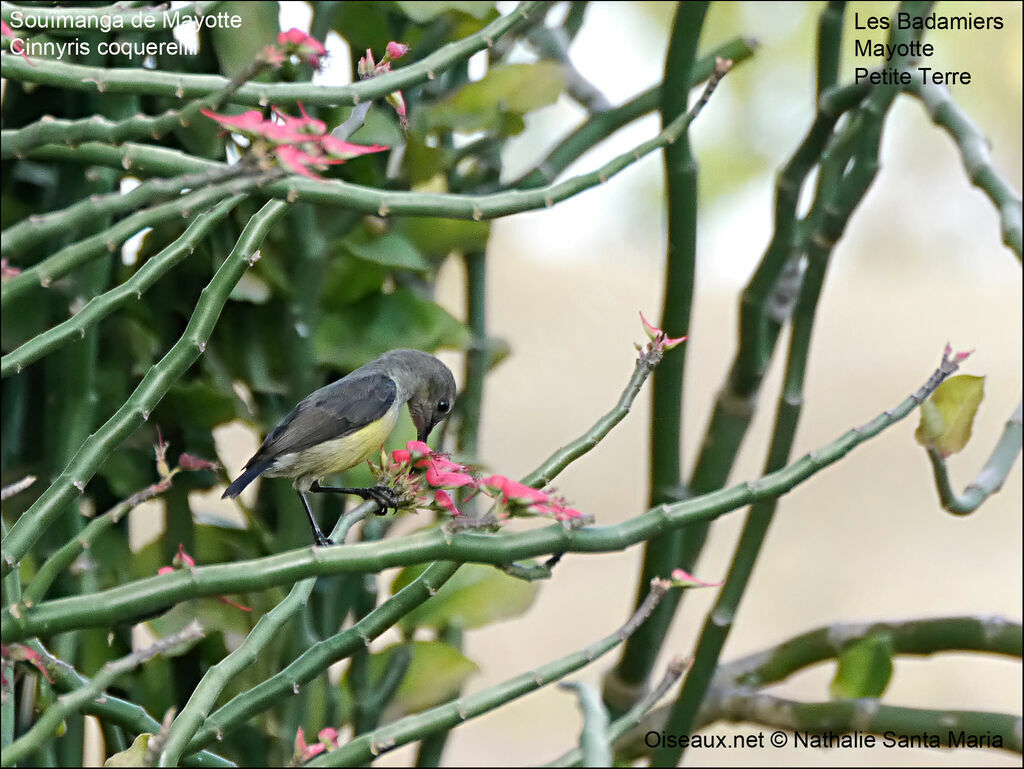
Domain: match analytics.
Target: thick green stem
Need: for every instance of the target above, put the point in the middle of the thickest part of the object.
(369, 200)
(661, 553)
(70, 257)
(39, 227)
(866, 138)
(100, 306)
(974, 150)
(478, 356)
(185, 86)
(319, 657)
(71, 703)
(147, 395)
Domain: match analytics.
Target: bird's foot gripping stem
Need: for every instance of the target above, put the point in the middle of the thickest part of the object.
(385, 498)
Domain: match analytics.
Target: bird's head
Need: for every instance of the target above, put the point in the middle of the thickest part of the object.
(433, 390)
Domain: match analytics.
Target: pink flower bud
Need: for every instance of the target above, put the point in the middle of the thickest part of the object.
(396, 50)
(683, 579)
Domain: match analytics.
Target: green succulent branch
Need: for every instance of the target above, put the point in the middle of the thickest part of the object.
(369, 709)
(367, 200)
(365, 748)
(71, 21)
(734, 405)
(916, 637)
(625, 683)
(632, 717)
(478, 355)
(72, 256)
(113, 710)
(553, 43)
(595, 739)
(924, 637)
(39, 227)
(866, 716)
(100, 306)
(204, 696)
(601, 125)
(185, 86)
(830, 36)
(16, 142)
(569, 453)
(138, 159)
(757, 335)
(71, 703)
(154, 385)
(989, 479)
(320, 656)
(974, 150)
(144, 596)
(66, 555)
(864, 140)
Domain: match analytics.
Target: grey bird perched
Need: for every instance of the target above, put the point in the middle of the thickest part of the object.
(344, 423)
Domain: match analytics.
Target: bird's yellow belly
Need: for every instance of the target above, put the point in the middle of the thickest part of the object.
(335, 455)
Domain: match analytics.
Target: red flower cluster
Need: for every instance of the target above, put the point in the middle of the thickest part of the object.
(422, 479)
(298, 143)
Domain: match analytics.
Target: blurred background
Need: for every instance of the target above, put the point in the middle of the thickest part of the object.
(921, 264)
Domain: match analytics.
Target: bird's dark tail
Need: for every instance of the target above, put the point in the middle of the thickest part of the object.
(251, 474)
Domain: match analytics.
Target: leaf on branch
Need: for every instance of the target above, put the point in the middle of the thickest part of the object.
(498, 101)
(133, 756)
(864, 670)
(436, 673)
(476, 596)
(948, 416)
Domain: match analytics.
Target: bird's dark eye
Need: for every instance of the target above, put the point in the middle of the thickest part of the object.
(443, 405)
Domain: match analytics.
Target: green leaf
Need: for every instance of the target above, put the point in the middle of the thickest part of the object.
(864, 669)
(436, 673)
(127, 470)
(948, 416)
(421, 12)
(349, 337)
(423, 162)
(196, 404)
(364, 25)
(237, 48)
(390, 250)
(498, 101)
(476, 596)
(348, 280)
(133, 756)
(436, 238)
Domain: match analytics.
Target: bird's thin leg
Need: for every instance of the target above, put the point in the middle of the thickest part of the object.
(318, 535)
(382, 495)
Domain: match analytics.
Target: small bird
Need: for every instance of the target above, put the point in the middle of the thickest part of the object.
(344, 423)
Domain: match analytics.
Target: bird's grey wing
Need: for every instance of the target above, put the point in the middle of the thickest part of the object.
(331, 412)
